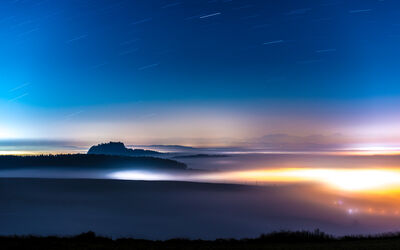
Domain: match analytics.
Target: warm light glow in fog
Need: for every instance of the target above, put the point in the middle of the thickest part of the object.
(344, 179)
(354, 180)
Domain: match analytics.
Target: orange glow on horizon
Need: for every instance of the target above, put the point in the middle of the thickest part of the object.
(26, 153)
(352, 180)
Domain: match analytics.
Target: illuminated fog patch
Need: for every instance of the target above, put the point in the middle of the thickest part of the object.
(344, 179)
(139, 175)
(369, 180)
(352, 180)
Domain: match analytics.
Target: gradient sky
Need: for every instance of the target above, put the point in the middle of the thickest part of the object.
(199, 72)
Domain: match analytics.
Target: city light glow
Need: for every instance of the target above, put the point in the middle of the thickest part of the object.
(371, 180)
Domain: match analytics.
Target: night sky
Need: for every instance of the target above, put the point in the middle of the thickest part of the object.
(299, 96)
(165, 71)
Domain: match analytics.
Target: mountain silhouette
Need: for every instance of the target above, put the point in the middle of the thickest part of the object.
(118, 148)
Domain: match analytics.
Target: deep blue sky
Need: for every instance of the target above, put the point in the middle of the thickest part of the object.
(79, 57)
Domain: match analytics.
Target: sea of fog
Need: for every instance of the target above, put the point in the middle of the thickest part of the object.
(236, 195)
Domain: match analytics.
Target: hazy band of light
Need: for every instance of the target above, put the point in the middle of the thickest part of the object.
(355, 180)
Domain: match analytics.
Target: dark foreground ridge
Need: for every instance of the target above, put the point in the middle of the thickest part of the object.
(88, 161)
(276, 240)
(118, 148)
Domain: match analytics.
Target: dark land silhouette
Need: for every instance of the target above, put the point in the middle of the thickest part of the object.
(118, 148)
(275, 240)
(91, 161)
(105, 155)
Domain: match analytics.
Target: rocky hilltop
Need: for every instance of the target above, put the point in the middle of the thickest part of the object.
(118, 148)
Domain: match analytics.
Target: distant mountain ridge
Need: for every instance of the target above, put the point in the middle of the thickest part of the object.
(118, 148)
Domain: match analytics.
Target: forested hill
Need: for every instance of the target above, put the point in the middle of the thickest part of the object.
(118, 148)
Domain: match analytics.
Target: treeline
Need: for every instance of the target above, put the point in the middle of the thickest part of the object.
(87, 161)
(276, 240)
